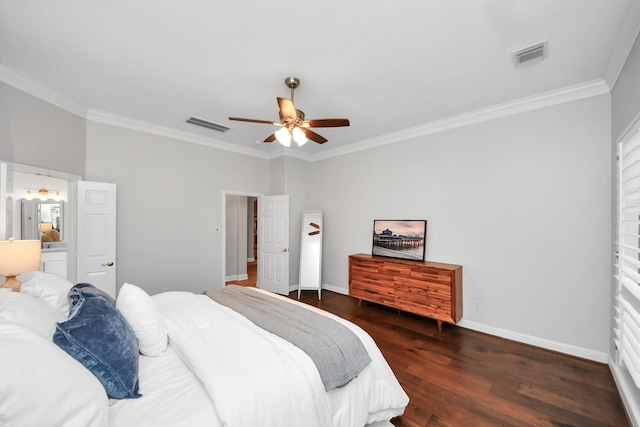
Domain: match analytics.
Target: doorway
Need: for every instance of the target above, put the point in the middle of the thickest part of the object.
(240, 238)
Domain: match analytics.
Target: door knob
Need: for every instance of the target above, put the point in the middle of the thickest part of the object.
(285, 250)
(109, 264)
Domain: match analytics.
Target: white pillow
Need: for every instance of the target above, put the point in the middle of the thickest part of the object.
(49, 287)
(43, 385)
(30, 312)
(137, 307)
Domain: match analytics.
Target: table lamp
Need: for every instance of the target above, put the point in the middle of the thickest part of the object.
(18, 256)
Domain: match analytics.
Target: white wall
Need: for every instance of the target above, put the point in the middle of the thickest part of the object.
(169, 202)
(522, 202)
(36, 133)
(301, 198)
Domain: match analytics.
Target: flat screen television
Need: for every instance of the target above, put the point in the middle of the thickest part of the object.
(404, 239)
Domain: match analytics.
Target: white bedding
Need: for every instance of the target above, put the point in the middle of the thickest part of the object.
(218, 370)
(165, 382)
(256, 378)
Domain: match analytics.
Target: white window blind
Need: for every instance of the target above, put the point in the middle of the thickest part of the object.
(626, 332)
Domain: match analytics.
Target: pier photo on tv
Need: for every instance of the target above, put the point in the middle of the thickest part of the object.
(402, 239)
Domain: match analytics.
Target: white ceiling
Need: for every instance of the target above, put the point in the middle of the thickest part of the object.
(386, 65)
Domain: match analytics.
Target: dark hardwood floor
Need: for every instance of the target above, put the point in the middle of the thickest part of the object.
(458, 377)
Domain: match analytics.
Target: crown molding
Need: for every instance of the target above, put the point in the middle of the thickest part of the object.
(547, 99)
(32, 87)
(293, 152)
(112, 119)
(19, 81)
(543, 100)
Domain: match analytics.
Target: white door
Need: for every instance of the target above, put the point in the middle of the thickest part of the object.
(96, 235)
(273, 244)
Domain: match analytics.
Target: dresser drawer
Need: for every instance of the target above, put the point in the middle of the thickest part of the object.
(371, 291)
(424, 273)
(397, 270)
(365, 266)
(422, 291)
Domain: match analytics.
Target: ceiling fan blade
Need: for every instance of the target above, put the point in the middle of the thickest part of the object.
(287, 110)
(314, 136)
(327, 123)
(267, 122)
(270, 138)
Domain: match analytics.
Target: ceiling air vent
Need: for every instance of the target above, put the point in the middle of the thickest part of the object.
(533, 53)
(215, 126)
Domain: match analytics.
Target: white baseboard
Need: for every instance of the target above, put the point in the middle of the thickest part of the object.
(326, 287)
(236, 277)
(537, 341)
(336, 289)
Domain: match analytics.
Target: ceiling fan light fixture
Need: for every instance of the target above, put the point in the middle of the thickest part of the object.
(293, 123)
(284, 137)
(299, 137)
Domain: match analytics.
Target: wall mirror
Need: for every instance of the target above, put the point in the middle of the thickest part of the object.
(43, 220)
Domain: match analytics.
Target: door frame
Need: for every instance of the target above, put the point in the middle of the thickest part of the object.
(70, 215)
(226, 193)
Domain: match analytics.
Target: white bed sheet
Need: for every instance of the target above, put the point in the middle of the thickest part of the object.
(165, 382)
(257, 378)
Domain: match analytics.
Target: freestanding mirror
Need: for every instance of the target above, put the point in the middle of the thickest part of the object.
(43, 220)
(311, 253)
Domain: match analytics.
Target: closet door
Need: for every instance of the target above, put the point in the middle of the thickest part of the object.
(96, 235)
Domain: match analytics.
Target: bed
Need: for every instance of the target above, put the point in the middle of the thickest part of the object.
(198, 363)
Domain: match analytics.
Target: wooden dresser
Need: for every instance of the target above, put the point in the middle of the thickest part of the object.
(425, 288)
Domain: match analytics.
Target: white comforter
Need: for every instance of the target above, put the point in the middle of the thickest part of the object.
(172, 396)
(255, 378)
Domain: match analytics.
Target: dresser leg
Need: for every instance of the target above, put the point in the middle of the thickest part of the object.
(440, 325)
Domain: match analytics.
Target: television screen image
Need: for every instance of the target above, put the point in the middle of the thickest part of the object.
(403, 239)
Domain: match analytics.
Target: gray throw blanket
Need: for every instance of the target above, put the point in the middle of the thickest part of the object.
(336, 351)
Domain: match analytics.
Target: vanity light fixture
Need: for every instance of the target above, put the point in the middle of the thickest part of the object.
(44, 194)
(29, 196)
(57, 197)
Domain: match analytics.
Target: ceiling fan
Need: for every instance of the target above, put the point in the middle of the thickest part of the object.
(292, 122)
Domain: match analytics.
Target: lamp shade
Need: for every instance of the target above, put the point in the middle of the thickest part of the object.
(299, 137)
(46, 227)
(284, 136)
(18, 256)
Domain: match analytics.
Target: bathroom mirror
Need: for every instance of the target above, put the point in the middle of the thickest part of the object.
(43, 220)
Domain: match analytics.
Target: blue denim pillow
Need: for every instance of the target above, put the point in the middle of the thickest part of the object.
(99, 337)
